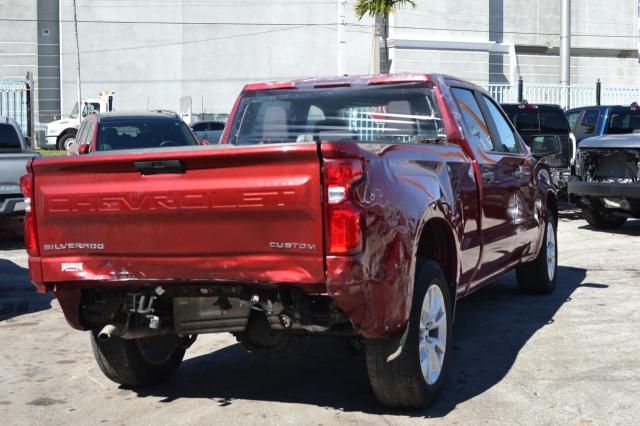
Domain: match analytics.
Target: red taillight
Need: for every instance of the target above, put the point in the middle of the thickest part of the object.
(345, 230)
(344, 219)
(30, 238)
(26, 187)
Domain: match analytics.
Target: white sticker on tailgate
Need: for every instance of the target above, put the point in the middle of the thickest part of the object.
(72, 267)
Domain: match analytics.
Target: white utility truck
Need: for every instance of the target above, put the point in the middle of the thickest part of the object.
(61, 132)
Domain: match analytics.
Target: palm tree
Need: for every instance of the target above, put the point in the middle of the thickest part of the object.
(381, 9)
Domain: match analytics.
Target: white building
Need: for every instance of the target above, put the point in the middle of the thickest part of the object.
(153, 52)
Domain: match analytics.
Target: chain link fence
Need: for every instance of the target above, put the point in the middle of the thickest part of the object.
(14, 102)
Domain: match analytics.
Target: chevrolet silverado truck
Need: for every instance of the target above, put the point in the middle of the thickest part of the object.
(15, 152)
(362, 207)
(607, 181)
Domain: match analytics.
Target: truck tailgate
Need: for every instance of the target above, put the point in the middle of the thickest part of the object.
(243, 214)
(12, 166)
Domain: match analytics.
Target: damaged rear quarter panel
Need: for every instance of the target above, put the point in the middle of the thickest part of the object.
(404, 187)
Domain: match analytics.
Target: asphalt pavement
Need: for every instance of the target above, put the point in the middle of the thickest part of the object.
(567, 358)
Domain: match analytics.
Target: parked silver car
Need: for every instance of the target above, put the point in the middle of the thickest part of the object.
(209, 131)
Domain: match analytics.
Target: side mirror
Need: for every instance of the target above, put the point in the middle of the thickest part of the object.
(84, 149)
(545, 145)
(72, 147)
(204, 142)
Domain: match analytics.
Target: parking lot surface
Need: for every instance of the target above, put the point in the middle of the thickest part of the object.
(570, 358)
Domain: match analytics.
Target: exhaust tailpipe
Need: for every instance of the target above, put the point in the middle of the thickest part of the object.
(107, 331)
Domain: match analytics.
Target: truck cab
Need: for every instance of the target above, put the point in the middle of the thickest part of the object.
(60, 133)
(600, 120)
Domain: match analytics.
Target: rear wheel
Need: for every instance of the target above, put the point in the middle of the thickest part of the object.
(138, 362)
(416, 377)
(602, 220)
(539, 276)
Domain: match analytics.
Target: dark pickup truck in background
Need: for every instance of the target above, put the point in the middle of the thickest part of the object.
(535, 122)
(600, 120)
(362, 207)
(607, 181)
(15, 152)
(605, 184)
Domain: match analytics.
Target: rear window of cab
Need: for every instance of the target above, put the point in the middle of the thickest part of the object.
(137, 133)
(9, 139)
(398, 114)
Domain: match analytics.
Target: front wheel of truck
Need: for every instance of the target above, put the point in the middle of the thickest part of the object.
(539, 276)
(415, 378)
(602, 220)
(138, 362)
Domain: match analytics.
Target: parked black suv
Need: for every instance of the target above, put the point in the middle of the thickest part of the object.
(535, 121)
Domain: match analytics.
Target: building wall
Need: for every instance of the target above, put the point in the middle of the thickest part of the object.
(209, 50)
(48, 75)
(153, 65)
(603, 40)
(18, 49)
(18, 39)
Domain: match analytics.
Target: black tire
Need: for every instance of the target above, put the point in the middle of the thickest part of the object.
(536, 277)
(401, 383)
(64, 138)
(131, 362)
(602, 221)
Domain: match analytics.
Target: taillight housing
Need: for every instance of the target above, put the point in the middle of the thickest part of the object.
(30, 238)
(344, 218)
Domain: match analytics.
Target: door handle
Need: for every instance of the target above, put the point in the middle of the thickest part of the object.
(522, 171)
(159, 167)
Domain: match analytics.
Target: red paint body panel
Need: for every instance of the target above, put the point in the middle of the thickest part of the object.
(227, 218)
(205, 224)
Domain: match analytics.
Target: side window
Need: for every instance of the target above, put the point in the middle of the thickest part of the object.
(589, 121)
(82, 131)
(508, 141)
(573, 117)
(199, 127)
(315, 114)
(90, 107)
(85, 138)
(186, 131)
(473, 119)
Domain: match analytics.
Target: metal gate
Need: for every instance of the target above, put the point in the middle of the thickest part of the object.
(579, 95)
(14, 102)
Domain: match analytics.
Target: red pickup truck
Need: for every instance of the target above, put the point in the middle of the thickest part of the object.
(354, 206)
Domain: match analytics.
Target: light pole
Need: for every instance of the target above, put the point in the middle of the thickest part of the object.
(342, 4)
(565, 52)
(75, 30)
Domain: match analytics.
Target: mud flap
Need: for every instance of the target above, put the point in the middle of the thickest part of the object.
(398, 351)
